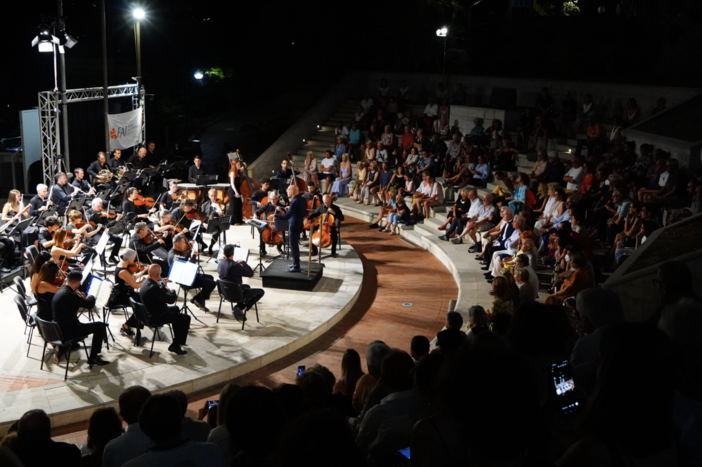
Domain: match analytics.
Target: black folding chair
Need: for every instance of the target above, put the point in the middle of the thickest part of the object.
(21, 289)
(32, 252)
(233, 293)
(27, 318)
(51, 333)
(142, 316)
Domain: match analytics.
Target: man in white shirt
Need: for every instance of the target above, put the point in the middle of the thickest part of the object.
(485, 219)
(574, 176)
(431, 110)
(133, 442)
(160, 419)
(434, 197)
(459, 222)
(327, 171)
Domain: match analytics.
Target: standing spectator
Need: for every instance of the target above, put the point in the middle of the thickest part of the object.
(133, 442)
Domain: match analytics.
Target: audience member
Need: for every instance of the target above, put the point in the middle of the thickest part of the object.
(419, 347)
(104, 426)
(196, 430)
(369, 389)
(37, 449)
(478, 323)
(134, 442)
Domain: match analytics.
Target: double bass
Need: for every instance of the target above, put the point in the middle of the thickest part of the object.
(298, 182)
(247, 189)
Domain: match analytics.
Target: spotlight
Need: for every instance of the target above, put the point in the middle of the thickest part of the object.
(139, 13)
(198, 75)
(442, 32)
(70, 41)
(45, 40)
(318, 127)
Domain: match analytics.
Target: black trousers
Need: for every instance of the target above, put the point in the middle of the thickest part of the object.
(117, 240)
(7, 252)
(96, 328)
(294, 239)
(251, 296)
(206, 283)
(235, 207)
(457, 225)
(490, 249)
(179, 321)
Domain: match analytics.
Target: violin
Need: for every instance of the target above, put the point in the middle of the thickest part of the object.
(196, 216)
(69, 240)
(140, 200)
(150, 237)
(322, 237)
(81, 223)
(137, 267)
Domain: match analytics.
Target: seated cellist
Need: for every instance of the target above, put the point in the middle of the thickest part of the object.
(275, 203)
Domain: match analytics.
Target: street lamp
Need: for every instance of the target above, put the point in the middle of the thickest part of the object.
(443, 33)
(198, 75)
(139, 14)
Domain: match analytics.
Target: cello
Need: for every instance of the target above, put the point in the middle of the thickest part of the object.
(322, 238)
(312, 204)
(270, 236)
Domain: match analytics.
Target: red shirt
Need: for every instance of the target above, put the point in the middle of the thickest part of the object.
(407, 140)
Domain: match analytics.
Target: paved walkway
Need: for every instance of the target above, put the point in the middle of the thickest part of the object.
(395, 273)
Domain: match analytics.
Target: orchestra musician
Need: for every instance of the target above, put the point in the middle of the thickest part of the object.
(116, 161)
(285, 170)
(236, 201)
(151, 156)
(275, 205)
(165, 227)
(232, 271)
(46, 234)
(295, 216)
(80, 182)
(59, 252)
(179, 216)
(261, 193)
(196, 170)
(44, 288)
(14, 206)
(96, 167)
(125, 284)
(139, 161)
(87, 234)
(101, 217)
(212, 209)
(172, 196)
(205, 282)
(40, 201)
(65, 305)
(131, 211)
(330, 208)
(145, 251)
(62, 192)
(156, 297)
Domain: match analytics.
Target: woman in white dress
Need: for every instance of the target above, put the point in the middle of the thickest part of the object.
(358, 181)
(340, 186)
(310, 171)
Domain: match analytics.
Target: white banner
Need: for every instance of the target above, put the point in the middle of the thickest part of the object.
(125, 129)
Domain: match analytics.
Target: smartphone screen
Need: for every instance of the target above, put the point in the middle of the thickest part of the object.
(405, 452)
(563, 384)
(211, 404)
(300, 370)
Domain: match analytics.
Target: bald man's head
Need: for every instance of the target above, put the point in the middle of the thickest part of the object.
(293, 191)
(155, 272)
(327, 200)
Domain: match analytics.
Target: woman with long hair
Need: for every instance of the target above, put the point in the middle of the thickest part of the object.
(43, 287)
(59, 252)
(13, 206)
(502, 297)
(351, 372)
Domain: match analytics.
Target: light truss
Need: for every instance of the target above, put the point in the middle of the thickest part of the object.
(50, 123)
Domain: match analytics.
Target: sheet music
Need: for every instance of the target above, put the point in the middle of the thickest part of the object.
(102, 243)
(241, 254)
(87, 270)
(183, 272)
(94, 286)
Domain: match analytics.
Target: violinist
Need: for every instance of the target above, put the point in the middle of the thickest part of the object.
(166, 229)
(86, 231)
(80, 182)
(126, 282)
(180, 216)
(275, 205)
(257, 198)
(328, 208)
(46, 235)
(43, 286)
(131, 211)
(212, 209)
(98, 166)
(232, 271)
(145, 251)
(156, 297)
(236, 200)
(59, 252)
(205, 282)
(66, 304)
(171, 197)
(196, 170)
(40, 201)
(62, 192)
(296, 217)
(99, 216)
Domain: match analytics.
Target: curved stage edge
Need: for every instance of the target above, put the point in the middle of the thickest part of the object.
(217, 352)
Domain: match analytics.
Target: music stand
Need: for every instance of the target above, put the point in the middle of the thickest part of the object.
(19, 228)
(43, 215)
(184, 273)
(100, 249)
(104, 194)
(76, 203)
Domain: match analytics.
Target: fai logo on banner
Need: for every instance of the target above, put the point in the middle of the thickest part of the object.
(125, 129)
(113, 134)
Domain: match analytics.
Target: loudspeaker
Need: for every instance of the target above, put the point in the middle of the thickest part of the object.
(503, 98)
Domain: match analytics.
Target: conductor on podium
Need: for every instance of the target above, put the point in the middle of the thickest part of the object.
(296, 218)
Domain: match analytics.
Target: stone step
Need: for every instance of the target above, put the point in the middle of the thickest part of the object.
(413, 237)
(423, 229)
(316, 142)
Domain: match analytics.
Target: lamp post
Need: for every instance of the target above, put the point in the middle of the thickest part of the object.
(138, 14)
(443, 33)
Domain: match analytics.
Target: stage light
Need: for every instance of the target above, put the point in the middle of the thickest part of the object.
(70, 41)
(442, 32)
(139, 13)
(198, 75)
(45, 41)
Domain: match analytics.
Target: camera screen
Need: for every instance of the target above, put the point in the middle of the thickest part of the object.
(211, 404)
(562, 377)
(405, 452)
(300, 370)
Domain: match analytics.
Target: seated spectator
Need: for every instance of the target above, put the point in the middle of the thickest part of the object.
(481, 172)
(407, 141)
(161, 418)
(633, 113)
(595, 138)
(673, 282)
(369, 389)
(484, 220)
(449, 340)
(578, 280)
(431, 112)
(400, 216)
(37, 449)
(134, 441)
(540, 165)
(522, 196)
(433, 195)
(597, 308)
(494, 134)
(615, 428)
(527, 292)
(196, 430)
(355, 190)
(555, 170)
(442, 129)
(419, 347)
(351, 372)
(388, 207)
(387, 427)
(574, 176)
(104, 426)
(8, 458)
(219, 434)
(464, 209)
(502, 297)
(478, 322)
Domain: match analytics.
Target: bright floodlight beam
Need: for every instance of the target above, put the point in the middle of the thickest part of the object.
(139, 13)
(198, 75)
(442, 32)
